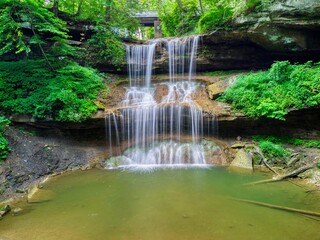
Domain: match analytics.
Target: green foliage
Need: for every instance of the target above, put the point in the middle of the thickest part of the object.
(178, 20)
(214, 18)
(106, 46)
(272, 150)
(287, 140)
(149, 31)
(4, 144)
(17, 16)
(65, 94)
(181, 17)
(221, 73)
(274, 92)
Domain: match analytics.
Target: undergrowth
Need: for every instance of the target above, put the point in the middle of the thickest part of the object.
(273, 152)
(288, 140)
(222, 73)
(64, 92)
(274, 147)
(274, 92)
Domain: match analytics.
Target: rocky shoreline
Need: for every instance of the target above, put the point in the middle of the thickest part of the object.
(39, 154)
(44, 147)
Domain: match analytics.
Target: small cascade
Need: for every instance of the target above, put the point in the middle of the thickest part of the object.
(140, 60)
(155, 130)
(182, 57)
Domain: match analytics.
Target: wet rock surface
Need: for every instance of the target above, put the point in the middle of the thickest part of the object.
(160, 91)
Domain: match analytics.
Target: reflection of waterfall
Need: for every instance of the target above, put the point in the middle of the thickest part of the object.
(153, 130)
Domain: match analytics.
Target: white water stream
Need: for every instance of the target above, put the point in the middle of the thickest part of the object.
(153, 130)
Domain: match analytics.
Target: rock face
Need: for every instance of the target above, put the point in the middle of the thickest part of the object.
(39, 152)
(286, 30)
(216, 89)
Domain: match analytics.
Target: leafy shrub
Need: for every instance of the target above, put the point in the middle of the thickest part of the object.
(176, 21)
(65, 94)
(312, 144)
(4, 144)
(214, 18)
(16, 14)
(106, 46)
(288, 140)
(272, 149)
(272, 93)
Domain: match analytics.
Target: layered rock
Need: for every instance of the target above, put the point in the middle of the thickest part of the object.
(286, 30)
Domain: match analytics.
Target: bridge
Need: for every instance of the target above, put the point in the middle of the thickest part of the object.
(150, 18)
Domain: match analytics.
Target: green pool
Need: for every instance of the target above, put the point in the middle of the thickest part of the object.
(163, 204)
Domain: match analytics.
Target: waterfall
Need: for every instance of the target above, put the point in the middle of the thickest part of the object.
(140, 60)
(182, 57)
(154, 129)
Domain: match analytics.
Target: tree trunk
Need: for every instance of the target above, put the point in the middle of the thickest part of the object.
(180, 5)
(294, 210)
(79, 8)
(201, 7)
(55, 7)
(285, 176)
(108, 10)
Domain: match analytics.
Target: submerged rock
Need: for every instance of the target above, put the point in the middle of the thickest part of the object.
(4, 210)
(36, 194)
(16, 211)
(116, 161)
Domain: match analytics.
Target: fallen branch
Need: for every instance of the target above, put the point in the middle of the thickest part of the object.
(264, 160)
(294, 210)
(285, 176)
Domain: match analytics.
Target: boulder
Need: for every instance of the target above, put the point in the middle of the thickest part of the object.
(216, 89)
(242, 160)
(16, 211)
(213, 153)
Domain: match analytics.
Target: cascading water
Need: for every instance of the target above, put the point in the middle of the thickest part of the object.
(154, 130)
(182, 57)
(140, 60)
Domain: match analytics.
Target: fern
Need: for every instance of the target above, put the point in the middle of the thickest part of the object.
(274, 92)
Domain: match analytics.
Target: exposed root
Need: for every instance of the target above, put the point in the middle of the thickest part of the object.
(264, 160)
